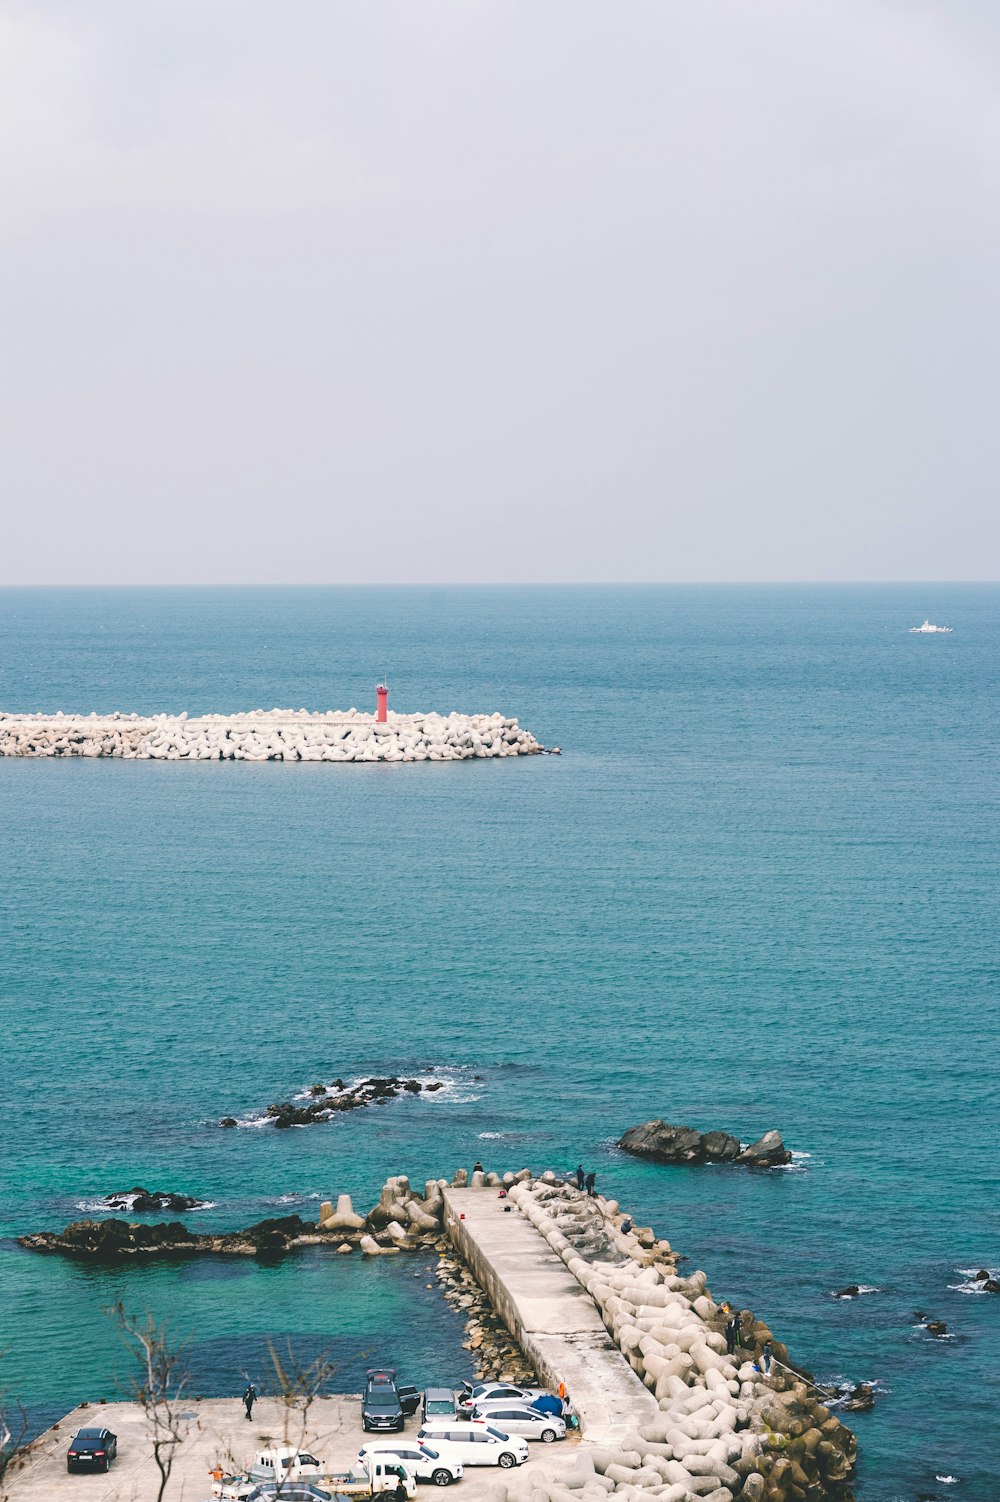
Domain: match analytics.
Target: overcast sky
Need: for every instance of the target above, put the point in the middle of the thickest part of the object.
(485, 290)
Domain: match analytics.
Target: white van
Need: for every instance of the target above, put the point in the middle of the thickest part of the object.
(477, 1444)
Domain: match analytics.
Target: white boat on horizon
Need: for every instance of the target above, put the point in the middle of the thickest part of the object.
(928, 630)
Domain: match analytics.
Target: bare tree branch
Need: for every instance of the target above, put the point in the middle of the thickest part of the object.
(14, 1443)
(159, 1388)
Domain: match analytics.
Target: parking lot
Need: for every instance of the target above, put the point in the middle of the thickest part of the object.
(218, 1433)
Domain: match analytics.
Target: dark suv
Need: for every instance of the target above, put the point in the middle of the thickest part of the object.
(385, 1405)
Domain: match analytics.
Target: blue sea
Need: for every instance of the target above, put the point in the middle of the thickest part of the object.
(758, 889)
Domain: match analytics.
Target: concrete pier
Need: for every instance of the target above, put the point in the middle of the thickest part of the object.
(554, 1319)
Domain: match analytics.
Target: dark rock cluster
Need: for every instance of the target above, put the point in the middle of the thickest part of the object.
(143, 1201)
(326, 1101)
(681, 1144)
(115, 1240)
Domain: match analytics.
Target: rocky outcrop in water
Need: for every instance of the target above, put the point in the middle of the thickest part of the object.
(326, 1101)
(141, 1201)
(681, 1144)
(117, 1240)
(267, 735)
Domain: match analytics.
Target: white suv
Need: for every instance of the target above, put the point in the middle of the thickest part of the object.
(477, 1444)
(429, 1461)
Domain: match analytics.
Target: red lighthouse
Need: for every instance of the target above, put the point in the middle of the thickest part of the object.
(382, 690)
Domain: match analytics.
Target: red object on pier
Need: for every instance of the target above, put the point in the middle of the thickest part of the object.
(382, 689)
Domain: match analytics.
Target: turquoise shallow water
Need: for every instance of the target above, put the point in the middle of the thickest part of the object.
(758, 889)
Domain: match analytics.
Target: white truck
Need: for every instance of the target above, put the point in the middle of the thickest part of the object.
(274, 1471)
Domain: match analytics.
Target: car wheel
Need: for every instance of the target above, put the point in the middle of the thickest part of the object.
(547, 1436)
(507, 1460)
(107, 1466)
(441, 1477)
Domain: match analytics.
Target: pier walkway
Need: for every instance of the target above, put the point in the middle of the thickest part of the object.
(553, 1319)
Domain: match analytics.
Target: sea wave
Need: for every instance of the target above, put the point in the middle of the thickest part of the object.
(948, 1335)
(973, 1285)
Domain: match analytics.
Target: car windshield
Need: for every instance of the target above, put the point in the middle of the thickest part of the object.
(431, 1454)
(496, 1434)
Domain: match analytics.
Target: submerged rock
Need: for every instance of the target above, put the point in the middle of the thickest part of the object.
(682, 1144)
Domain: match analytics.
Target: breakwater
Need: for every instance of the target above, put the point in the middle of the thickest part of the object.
(268, 735)
(673, 1413)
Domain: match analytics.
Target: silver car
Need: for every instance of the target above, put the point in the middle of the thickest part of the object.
(527, 1422)
(491, 1392)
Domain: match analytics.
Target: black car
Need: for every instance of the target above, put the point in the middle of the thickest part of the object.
(386, 1405)
(92, 1450)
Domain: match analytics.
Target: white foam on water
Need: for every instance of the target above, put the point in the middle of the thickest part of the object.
(450, 1090)
(947, 1480)
(948, 1335)
(973, 1285)
(492, 1136)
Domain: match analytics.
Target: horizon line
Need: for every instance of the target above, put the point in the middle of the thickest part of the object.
(503, 584)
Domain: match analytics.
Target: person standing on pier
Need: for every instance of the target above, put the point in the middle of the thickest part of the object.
(765, 1358)
(732, 1333)
(579, 1176)
(249, 1398)
(590, 1181)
